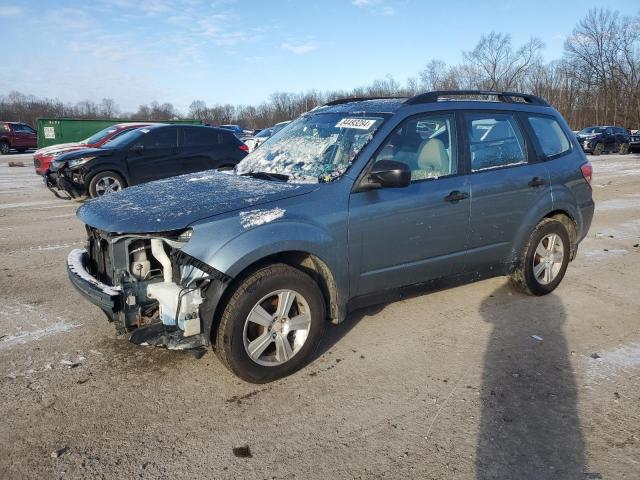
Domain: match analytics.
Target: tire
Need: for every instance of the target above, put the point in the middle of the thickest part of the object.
(257, 297)
(530, 276)
(4, 148)
(105, 182)
(598, 149)
(624, 149)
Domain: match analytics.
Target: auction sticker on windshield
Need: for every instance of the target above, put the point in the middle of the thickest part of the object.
(359, 123)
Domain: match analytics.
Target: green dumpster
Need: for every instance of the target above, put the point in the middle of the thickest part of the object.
(52, 131)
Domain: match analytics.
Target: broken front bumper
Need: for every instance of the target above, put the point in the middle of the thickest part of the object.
(109, 299)
(58, 183)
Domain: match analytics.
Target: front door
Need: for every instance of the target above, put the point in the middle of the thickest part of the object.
(403, 236)
(157, 157)
(506, 182)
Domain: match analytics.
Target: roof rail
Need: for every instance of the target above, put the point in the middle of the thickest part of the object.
(340, 101)
(507, 97)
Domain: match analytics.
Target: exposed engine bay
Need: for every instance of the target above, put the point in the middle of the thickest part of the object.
(160, 289)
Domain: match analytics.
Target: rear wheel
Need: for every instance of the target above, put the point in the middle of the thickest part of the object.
(4, 148)
(271, 325)
(624, 149)
(105, 182)
(544, 260)
(598, 149)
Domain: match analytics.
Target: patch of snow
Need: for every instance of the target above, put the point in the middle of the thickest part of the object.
(74, 261)
(615, 362)
(599, 254)
(629, 229)
(254, 218)
(34, 335)
(630, 201)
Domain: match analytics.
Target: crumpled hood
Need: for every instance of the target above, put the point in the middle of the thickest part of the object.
(177, 202)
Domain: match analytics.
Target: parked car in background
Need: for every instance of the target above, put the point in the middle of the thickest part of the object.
(258, 139)
(351, 203)
(634, 144)
(142, 155)
(18, 136)
(43, 157)
(604, 139)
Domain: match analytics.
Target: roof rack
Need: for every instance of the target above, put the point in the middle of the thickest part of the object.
(507, 97)
(340, 101)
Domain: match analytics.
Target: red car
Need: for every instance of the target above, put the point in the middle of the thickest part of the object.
(42, 158)
(17, 135)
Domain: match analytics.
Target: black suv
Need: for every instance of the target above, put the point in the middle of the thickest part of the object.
(605, 139)
(142, 155)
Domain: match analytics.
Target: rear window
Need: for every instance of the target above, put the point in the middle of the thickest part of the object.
(550, 135)
(200, 137)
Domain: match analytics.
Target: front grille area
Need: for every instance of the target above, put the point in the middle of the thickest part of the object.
(36, 163)
(100, 264)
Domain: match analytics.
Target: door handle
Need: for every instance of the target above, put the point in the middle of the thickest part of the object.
(456, 196)
(537, 182)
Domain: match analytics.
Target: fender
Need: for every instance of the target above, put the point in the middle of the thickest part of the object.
(246, 247)
(113, 167)
(538, 211)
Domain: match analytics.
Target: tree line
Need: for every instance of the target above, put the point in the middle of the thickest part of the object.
(595, 82)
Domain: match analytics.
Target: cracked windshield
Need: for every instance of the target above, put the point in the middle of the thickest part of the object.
(316, 148)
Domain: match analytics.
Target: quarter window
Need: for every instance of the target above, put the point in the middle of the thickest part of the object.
(427, 145)
(200, 137)
(495, 141)
(550, 135)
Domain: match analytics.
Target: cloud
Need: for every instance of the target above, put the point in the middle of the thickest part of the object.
(376, 7)
(299, 48)
(10, 10)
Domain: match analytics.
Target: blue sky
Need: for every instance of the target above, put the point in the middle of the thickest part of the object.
(226, 51)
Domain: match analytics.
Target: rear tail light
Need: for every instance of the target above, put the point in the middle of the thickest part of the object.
(244, 148)
(587, 172)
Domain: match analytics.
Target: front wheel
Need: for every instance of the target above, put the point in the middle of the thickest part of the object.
(105, 182)
(544, 260)
(624, 149)
(4, 148)
(271, 325)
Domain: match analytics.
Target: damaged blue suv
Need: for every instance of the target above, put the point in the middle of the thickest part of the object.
(348, 205)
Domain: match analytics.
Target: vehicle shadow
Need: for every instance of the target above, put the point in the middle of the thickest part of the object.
(529, 427)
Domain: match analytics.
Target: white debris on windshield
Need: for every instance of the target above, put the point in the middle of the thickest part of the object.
(314, 148)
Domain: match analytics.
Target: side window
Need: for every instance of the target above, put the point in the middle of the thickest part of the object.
(550, 135)
(200, 137)
(161, 138)
(495, 141)
(426, 144)
(28, 129)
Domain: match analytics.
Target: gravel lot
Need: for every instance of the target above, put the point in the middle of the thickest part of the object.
(445, 385)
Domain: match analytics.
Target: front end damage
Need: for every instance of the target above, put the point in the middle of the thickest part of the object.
(148, 287)
(65, 182)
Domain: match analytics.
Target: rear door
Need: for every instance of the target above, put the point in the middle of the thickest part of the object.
(157, 158)
(200, 149)
(506, 182)
(402, 236)
(30, 136)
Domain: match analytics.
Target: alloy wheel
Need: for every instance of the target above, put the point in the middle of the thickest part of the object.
(107, 185)
(277, 327)
(548, 258)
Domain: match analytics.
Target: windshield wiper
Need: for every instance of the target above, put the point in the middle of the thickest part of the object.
(281, 177)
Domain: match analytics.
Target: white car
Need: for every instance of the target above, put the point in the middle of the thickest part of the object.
(258, 139)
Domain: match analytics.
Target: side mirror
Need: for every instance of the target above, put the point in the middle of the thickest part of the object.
(390, 174)
(138, 148)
